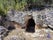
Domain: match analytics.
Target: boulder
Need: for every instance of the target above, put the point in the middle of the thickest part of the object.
(3, 30)
(49, 18)
(16, 16)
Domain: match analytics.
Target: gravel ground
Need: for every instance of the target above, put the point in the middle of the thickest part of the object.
(20, 34)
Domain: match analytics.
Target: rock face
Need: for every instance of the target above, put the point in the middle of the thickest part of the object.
(16, 16)
(40, 17)
(44, 17)
(49, 17)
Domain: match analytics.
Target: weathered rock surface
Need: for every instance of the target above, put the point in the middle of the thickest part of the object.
(3, 30)
(16, 16)
(49, 17)
(41, 17)
(44, 17)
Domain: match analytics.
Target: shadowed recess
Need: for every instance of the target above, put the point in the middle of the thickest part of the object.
(30, 25)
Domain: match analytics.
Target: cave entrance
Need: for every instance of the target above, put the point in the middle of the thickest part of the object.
(30, 27)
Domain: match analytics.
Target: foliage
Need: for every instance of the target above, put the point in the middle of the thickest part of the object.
(20, 5)
(5, 5)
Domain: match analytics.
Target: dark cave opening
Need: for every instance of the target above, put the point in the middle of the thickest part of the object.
(30, 27)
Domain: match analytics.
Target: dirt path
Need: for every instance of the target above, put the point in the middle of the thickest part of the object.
(20, 34)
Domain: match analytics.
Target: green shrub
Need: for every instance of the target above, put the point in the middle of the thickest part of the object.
(5, 5)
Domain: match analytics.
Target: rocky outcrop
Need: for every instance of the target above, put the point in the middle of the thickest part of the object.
(17, 16)
(3, 32)
(14, 18)
(40, 17)
(49, 17)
